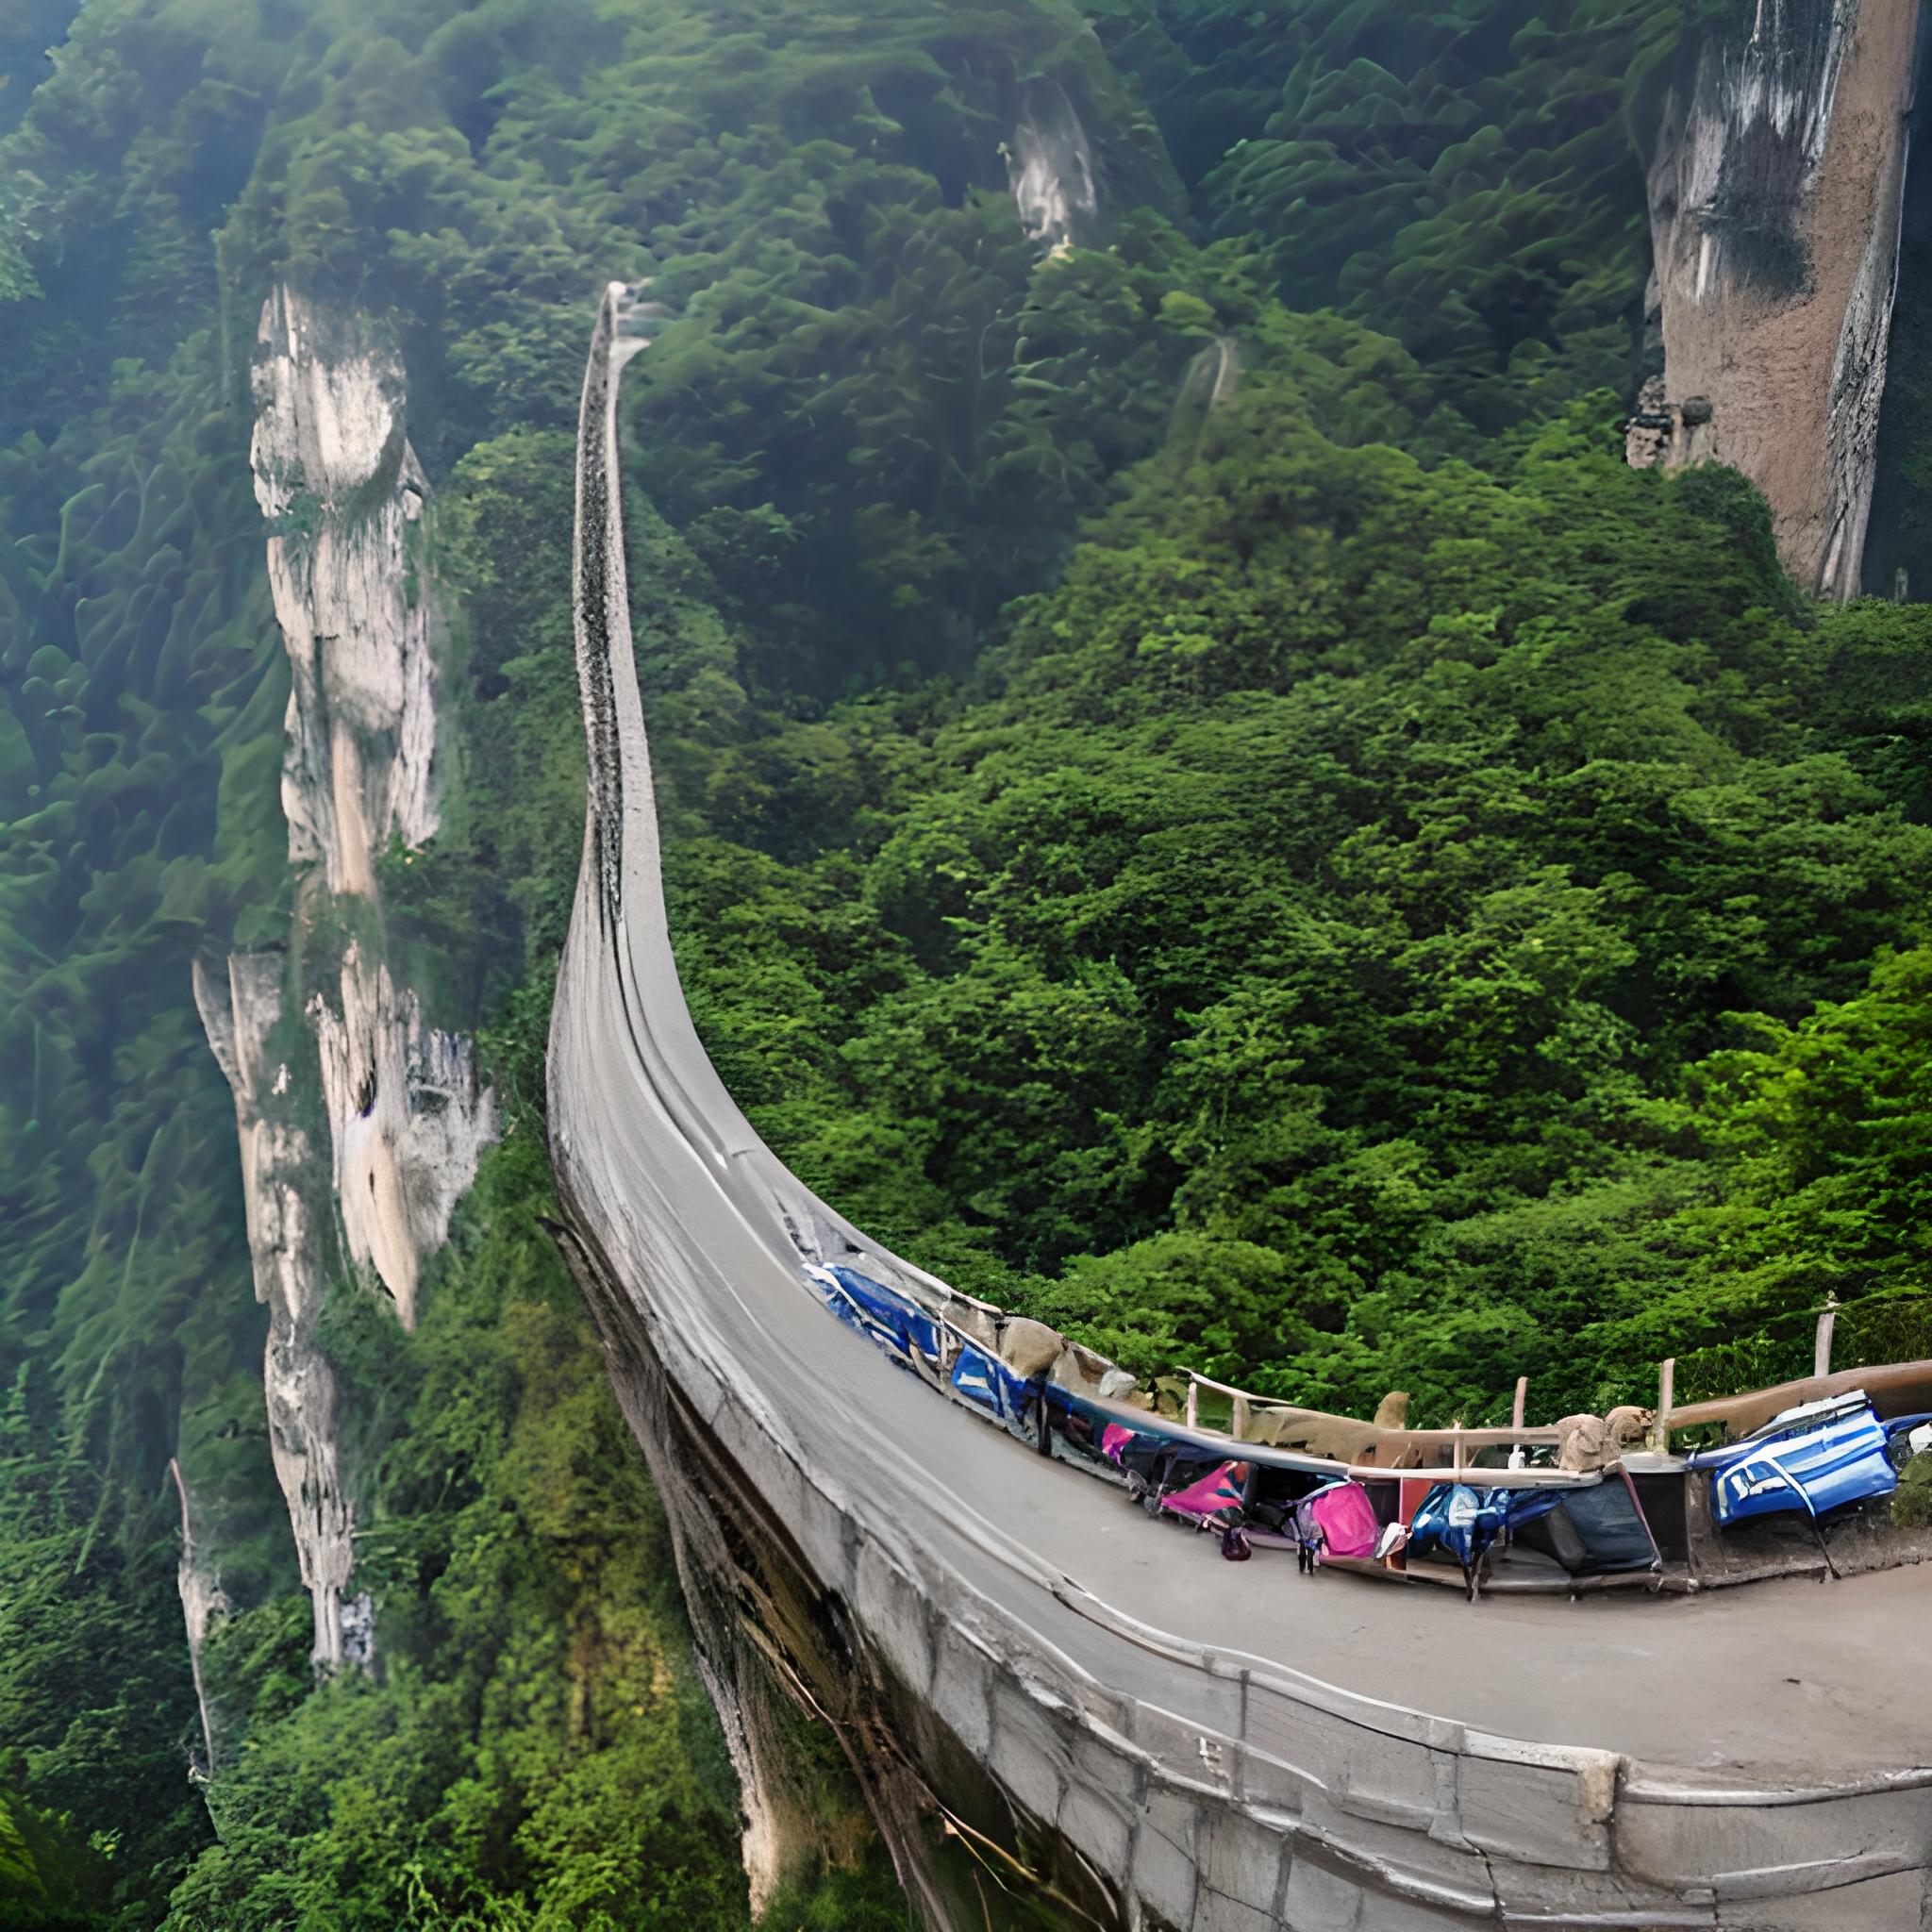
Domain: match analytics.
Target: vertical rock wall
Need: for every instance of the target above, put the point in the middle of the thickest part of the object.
(407, 1121)
(241, 1008)
(1776, 194)
(1898, 545)
(340, 487)
(360, 1123)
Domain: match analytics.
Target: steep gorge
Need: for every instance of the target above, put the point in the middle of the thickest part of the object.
(930, 321)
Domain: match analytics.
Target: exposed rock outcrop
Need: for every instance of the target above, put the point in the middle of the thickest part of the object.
(321, 1041)
(341, 487)
(407, 1122)
(241, 1008)
(1776, 194)
(1050, 166)
(343, 493)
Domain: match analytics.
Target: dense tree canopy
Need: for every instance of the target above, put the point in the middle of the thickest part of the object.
(1315, 952)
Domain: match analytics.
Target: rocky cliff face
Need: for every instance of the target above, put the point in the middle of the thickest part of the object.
(241, 1008)
(341, 487)
(360, 1123)
(407, 1121)
(1776, 194)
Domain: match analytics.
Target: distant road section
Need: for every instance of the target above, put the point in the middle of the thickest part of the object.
(1220, 1745)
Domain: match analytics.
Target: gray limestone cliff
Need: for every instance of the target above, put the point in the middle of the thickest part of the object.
(340, 487)
(1776, 194)
(241, 1008)
(360, 1123)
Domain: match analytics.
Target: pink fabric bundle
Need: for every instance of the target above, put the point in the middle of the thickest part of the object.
(1348, 1520)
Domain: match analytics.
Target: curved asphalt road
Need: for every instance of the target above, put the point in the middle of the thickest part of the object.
(1778, 1681)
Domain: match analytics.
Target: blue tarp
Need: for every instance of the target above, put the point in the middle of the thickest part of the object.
(895, 1321)
(1817, 1458)
(1458, 1520)
(1594, 1529)
(982, 1377)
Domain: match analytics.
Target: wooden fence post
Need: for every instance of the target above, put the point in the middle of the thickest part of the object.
(1821, 1347)
(1666, 1389)
(1194, 1402)
(1516, 1407)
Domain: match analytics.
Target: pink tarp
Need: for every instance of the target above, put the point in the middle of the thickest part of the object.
(1347, 1518)
(1219, 1490)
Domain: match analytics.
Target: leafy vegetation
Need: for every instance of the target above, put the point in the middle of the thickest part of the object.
(537, 1751)
(1316, 954)
(1339, 883)
(1458, 176)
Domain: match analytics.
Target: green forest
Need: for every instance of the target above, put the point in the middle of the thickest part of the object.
(1205, 803)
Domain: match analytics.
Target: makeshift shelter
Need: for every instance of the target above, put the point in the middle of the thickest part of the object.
(1568, 1506)
(985, 1380)
(1343, 1517)
(1597, 1530)
(1576, 1533)
(882, 1314)
(1458, 1522)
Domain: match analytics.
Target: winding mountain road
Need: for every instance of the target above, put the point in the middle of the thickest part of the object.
(1227, 1744)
